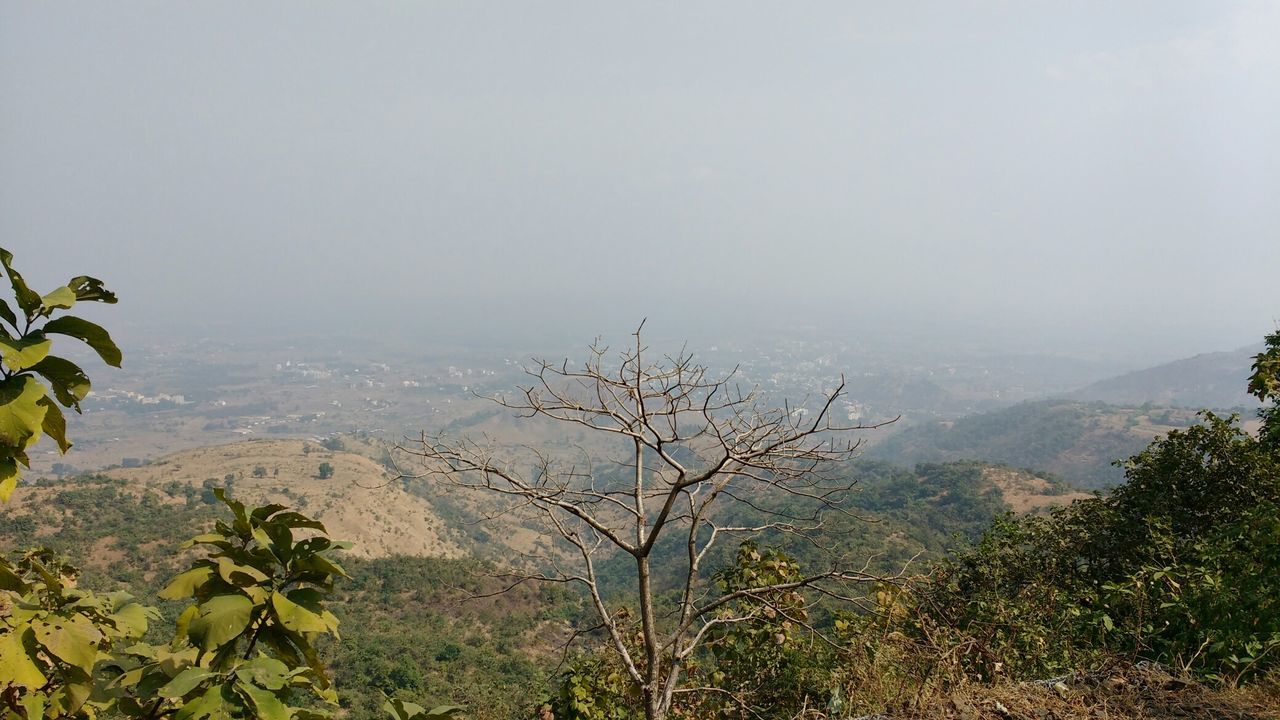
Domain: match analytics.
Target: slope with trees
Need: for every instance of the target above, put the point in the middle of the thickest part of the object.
(688, 445)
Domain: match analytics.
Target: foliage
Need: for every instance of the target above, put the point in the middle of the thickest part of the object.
(595, 687)
(400, 710)
(410, 626)
(1076, 441)
(72, 653)
(1180, 565)
(29, 408)
(1264, 384)
(258, 589)
(52, 635)
(761, 662)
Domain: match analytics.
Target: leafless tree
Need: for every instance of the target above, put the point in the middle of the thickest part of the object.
(691, 446)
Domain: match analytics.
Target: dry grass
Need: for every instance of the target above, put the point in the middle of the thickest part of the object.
(1025, 492)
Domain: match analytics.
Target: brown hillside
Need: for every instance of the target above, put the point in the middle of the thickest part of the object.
(359, 503)
(1025, 492)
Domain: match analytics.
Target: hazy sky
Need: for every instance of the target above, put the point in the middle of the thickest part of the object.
(1047, 175)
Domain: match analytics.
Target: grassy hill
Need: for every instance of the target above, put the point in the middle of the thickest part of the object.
(411, 622)
(1076, 442)
(1214, 380)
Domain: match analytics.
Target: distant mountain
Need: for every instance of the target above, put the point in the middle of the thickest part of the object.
(1212, 380)
(1076, 442)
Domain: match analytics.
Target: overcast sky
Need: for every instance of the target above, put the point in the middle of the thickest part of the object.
(1054, 176)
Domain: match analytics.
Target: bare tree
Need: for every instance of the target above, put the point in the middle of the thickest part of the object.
(691, 447)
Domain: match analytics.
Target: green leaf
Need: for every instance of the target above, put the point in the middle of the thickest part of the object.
(267, 705)
(238, 575)
(212, 705)
(207, 539)
(6, 312)
(90, 289)
(265, 671)
(9, 579)
(94, 335)
(64, 298)
(318, 563)
(16, 664)
(401, 710)
(241, 523)
(74, 640)
(187, 584)
(21, 353)
(55, 425)
(21, 414)
(70, 384)
(266, 511)
(28, 299)
(297, 520)
(295, 616)
(221, 619)
(132, 619)
(8, 477)
(74, 694)
(185, 682)
(34, 705)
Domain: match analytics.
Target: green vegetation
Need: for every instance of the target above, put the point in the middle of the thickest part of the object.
(1075, 441)
(1180, 565)
(29, 408)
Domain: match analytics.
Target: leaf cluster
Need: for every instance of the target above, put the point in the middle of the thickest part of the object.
(31, 407)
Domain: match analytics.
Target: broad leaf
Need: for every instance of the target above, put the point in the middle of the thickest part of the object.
(132, 619)
(74, 640)
(207, 538)
(21, 414)
(297, 617)
(74, 693)
(6, 312)
(64, 298)
(70, 384)
(55, 425)
(241, 524)
(265, 671)
(212, 705)
(401, 710)
(238, 575)
(24, 352)
(28, 299)
(266, 511)
(16, 664)
(90, 289)
(185, 682)
(34, 705)
(297, 520)
(222, 619)
(8, 477)
(94, 335)
(265, 703)
(186, 584)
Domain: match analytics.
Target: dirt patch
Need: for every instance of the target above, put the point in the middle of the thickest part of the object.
(1025, 492)
(105, 553)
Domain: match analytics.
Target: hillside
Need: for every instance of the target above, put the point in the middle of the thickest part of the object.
(1074, 441)
(361, 501)
(1213, 380)
(414, 624)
